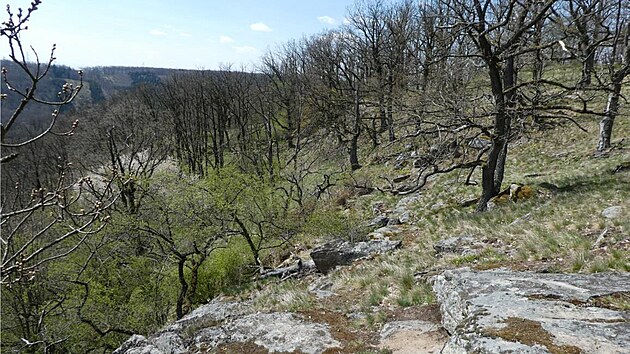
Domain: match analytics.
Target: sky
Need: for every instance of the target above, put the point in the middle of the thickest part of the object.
(182, 34)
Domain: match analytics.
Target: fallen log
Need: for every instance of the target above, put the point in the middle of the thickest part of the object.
(300, 268)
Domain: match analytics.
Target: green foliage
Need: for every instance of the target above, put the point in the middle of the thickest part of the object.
(619, 261)
(225, 271)
(331, 223)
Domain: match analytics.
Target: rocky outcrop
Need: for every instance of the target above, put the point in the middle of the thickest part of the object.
(277, 332)
(338, 253)
(223, 323)
(461, 245)
(502, 311)
(401, 212)
(466, 245)
(378, 221)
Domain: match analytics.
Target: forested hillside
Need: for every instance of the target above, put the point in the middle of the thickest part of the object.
(99, 84)
(130, 196)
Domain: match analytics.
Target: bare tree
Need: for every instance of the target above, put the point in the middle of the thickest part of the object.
(340, 73)
(583, 22)
(187, 102)
(48, 216)
(11, 30)
(368, 34)
(128, 135)
(499, 31)
(31, 232)
(618, 70)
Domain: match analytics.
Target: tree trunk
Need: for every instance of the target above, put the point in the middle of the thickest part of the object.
(382, 112)
(493, 170)
(269, 132)
(390, 107)
(353, 151)
(537, 68)
(489, 185)
(183, 288)
(354, 140)
(606, 124)
(248, 239)
(587, 68)
(290, 127)
(194, 276)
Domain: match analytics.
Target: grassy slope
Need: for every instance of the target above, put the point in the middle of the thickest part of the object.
(555, 230)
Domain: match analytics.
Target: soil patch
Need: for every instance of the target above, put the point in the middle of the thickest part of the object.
(353, 340)
(531, 333)
(247, 347)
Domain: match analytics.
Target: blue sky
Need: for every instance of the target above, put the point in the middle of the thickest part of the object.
(188, 34)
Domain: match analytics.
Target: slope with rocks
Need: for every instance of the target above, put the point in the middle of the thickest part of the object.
(544, 271)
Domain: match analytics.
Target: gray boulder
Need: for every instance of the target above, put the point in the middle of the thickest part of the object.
(612, 212)
(385, 232)
(502, 311)
(339, 253)
(137, 344)
(378, 221)
(401, 212)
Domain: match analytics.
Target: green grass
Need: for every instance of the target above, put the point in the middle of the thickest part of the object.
(377, 294)
(420, 294)
(289, 295)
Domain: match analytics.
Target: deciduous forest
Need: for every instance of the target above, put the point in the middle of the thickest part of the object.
(125, 205)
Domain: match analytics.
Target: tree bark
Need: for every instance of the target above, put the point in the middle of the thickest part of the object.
(354, 140)
(183, 288)
(194, 280)
(353, 151)
(390, 107)
(587, 68)
(606, 124)
(248, 239)
(502, 81)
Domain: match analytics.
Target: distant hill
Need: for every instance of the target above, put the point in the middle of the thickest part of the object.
(104, 81)
(99, 84)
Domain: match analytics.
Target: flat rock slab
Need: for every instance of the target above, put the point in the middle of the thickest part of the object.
(223, 323)
(277, 332)
(503, 311)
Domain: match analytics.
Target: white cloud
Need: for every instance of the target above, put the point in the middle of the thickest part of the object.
(225, 39)
(346, 21)
(260, 27)
(326, 19)
(185, 34)
(245, 50)
(157, 32)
